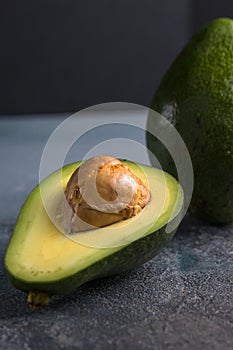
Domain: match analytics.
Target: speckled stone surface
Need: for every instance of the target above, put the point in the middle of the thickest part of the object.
(181, 299)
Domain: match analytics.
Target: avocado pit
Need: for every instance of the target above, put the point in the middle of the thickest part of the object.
(100, 192)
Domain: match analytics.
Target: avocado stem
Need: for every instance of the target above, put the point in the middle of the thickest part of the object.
(37, 299)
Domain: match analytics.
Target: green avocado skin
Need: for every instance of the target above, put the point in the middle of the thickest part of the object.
(126, 259)
(196, 96)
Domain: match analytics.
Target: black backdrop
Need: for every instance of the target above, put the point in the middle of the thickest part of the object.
(64, 55)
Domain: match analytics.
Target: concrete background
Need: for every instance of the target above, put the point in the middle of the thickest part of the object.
(181, 299)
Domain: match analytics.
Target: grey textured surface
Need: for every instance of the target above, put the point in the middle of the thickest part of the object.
(182, 299)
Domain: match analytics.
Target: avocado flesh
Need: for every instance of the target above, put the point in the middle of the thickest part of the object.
(40, 257)
(196, 96)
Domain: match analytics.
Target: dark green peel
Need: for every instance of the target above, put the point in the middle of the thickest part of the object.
(196, 95)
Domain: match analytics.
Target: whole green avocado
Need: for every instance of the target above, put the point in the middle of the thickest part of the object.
(196, 96)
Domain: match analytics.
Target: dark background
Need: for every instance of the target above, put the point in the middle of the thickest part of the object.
(64, 55)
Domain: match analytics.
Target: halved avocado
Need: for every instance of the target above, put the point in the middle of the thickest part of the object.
(42, 260)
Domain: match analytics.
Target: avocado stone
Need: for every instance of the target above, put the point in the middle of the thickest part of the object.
(41, 258)
(196, 96)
